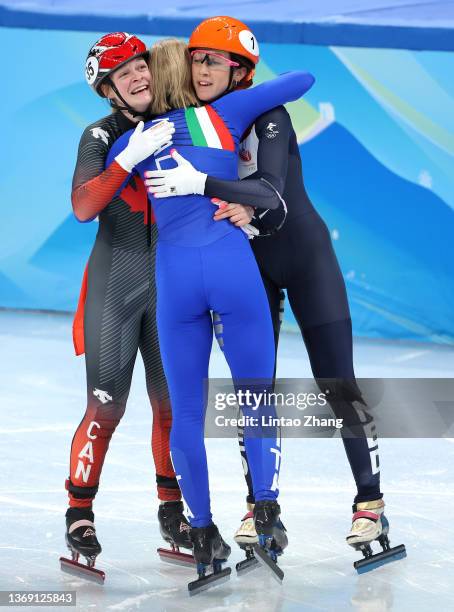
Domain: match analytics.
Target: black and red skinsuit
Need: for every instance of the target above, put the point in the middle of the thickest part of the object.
(116, 313)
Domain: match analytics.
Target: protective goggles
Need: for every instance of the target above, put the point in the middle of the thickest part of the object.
(213, 60)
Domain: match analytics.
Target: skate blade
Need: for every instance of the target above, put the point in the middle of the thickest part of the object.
(207, 582)
(175, 557)
(82, 571)
(247, 565)
(264, 559)
(387, 556)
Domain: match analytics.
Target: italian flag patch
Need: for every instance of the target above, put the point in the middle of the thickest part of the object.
(207, 129)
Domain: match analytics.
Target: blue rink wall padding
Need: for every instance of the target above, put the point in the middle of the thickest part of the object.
(376, 135)
(420, 24)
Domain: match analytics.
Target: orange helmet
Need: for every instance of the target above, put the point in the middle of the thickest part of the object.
(227, 34)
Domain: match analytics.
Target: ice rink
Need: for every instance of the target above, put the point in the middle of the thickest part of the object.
(42, 401)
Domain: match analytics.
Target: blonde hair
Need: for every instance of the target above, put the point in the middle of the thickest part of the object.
(170, 67)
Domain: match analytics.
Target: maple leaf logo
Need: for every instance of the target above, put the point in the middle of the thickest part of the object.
(135, 196)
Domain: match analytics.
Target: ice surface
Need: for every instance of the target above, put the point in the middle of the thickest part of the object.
(42, 400)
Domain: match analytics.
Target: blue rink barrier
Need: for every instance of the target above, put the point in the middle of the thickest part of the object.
(419, 25)
(376, 135)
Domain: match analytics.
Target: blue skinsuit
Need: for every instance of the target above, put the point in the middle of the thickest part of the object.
(204, 265)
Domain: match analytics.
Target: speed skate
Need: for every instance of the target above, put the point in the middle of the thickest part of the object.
(81, 540)
(175, 530)
(370, 524)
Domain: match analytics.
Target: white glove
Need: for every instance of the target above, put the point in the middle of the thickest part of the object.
(142, 143)
(182, 180)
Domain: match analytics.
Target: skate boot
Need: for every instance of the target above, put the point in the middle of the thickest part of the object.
(81, 540)
(272, 536)
(209, 549)
(175, 530)
(246, 536)
(369, 524)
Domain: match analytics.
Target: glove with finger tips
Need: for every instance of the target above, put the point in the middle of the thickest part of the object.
(144, 143)
(179, 181)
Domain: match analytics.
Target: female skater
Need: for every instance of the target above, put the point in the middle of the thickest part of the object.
(299, 258)
(203, 265)
(116, 314)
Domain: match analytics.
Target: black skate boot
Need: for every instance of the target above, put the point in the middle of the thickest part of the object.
(175, 530)
(81, 540)
(272, 536)
(209, 549)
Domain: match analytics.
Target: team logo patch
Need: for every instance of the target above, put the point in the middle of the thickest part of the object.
(98, 132)
(103, 396)
(270, 130)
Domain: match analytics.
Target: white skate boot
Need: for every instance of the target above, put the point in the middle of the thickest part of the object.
(246, 533)
(369, 524)
(246, 536)
(366, 523)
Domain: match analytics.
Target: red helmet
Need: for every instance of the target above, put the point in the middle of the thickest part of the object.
(108, 54)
